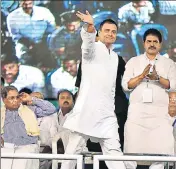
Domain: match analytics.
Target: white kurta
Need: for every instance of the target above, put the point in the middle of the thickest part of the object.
(93, 113)
(149, 127)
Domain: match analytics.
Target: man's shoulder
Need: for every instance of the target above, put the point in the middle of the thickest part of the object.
(15, 13)
(40, 9)
(59, 72)
(166, 60)
(30, 71)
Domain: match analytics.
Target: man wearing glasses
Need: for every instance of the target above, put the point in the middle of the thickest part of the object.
(19, 127)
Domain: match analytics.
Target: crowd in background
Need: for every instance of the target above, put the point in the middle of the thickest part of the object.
(41, 56)
(46, 42)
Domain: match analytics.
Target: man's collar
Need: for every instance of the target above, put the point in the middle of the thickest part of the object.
(25, 14)
(111, 47)
(156, 57)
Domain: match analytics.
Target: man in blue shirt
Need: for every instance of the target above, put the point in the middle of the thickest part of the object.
(29, 26)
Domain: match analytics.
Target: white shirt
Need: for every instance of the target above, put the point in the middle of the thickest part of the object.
(165, 68)
(128, 12)
(32, 27)
(93, 113)
(61, 79)
(148, 128)
(30, 77)
(48, 128)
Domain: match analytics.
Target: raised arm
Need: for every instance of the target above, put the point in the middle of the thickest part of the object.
(40, 107)
(88, 34)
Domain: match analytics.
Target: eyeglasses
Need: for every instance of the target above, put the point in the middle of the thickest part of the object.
(12, 98)
(172, 100)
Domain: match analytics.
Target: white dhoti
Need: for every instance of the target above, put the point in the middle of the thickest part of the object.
(20, 163)
(109, 146)
(148, 130)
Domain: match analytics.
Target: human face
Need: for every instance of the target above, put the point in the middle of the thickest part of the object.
(12, 101)
(172, 97)
(152, 45)
(10, 72)
(108, 33)
(27, 6)
(71, 67)
(73, 26)
(65, 100)
(37, 95)
(141, 3)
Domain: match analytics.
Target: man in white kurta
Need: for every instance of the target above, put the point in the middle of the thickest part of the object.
(93, 115)
(149, 127)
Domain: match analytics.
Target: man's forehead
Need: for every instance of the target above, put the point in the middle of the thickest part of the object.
(69, 62)
(12, 93)
(26, 2)
(172, 94)
(65, 93)
(152, 37)
(110, 26)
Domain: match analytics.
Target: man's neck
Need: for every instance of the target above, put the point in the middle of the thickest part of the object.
(108, 46)
(29, 12)
(151, 57)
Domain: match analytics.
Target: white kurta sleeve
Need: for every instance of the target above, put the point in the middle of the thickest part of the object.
(172, 76)
(88, 44)
(128, 74)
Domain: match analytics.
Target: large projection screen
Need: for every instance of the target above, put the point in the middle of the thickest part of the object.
(42, 50)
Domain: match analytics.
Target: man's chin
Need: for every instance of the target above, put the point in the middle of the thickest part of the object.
(9, 81)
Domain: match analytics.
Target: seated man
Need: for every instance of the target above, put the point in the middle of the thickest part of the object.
(65, 76)
(172, 113)
(133, 15)
(29, 26)
(66, 103)
(21, 76)
(19, 127)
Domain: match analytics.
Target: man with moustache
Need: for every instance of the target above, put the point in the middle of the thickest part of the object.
(21, 76)
(148, 78)
(93, 114)
(29, 26)
(19, 127)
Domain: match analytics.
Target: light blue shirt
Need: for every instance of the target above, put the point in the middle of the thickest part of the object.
(129, 13)
(32, 27)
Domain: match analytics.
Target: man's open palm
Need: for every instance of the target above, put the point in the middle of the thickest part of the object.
(85, 17)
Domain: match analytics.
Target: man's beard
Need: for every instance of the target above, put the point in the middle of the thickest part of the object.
(13, 78)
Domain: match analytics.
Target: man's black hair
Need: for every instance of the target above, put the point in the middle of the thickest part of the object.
(25, 90)
(154, 32)
(64, 90)
(110, 21)
(9, 58)
(5, 90)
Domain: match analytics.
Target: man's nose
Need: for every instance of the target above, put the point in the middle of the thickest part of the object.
(7, 71)
(110, 33)
(68, 69)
